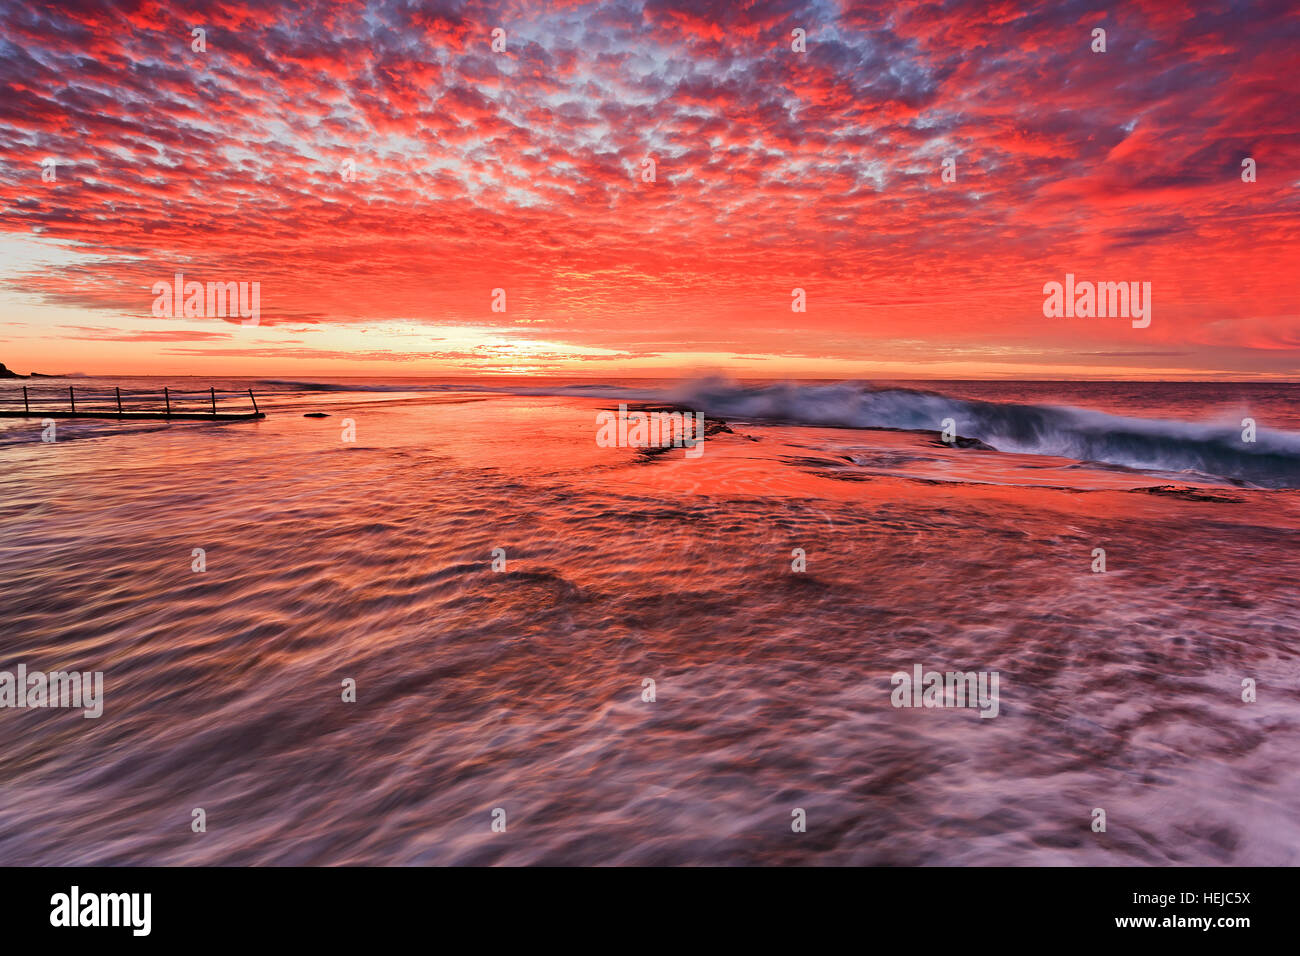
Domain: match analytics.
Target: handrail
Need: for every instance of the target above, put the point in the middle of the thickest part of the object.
(122, 407)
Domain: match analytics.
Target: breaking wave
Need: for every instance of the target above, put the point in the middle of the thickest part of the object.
(1271, 461)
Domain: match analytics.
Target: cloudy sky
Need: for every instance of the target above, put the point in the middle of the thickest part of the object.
(774, 169)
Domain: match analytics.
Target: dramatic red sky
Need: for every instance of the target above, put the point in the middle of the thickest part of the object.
(521, 170)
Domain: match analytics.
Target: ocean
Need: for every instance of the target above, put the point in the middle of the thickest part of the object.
(564, 653)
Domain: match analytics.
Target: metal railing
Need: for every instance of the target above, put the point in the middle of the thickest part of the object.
(97, 402)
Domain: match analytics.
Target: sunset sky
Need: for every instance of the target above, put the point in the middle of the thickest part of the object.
(774, 169)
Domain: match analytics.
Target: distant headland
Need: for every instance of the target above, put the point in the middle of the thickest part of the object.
(6, 373)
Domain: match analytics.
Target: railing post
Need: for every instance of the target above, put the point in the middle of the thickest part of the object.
(254, 398)
(27, 408)
(72, 400)
(119, 400)
(168, 400)
(213, 390)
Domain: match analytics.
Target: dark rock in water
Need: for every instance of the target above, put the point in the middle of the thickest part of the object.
(315, 415)
(1187, 494)
(712, 426)
(960, 442)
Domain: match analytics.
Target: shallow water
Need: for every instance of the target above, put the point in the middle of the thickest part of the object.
(521, 690)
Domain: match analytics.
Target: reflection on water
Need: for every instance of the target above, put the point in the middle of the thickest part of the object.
(521, 689)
